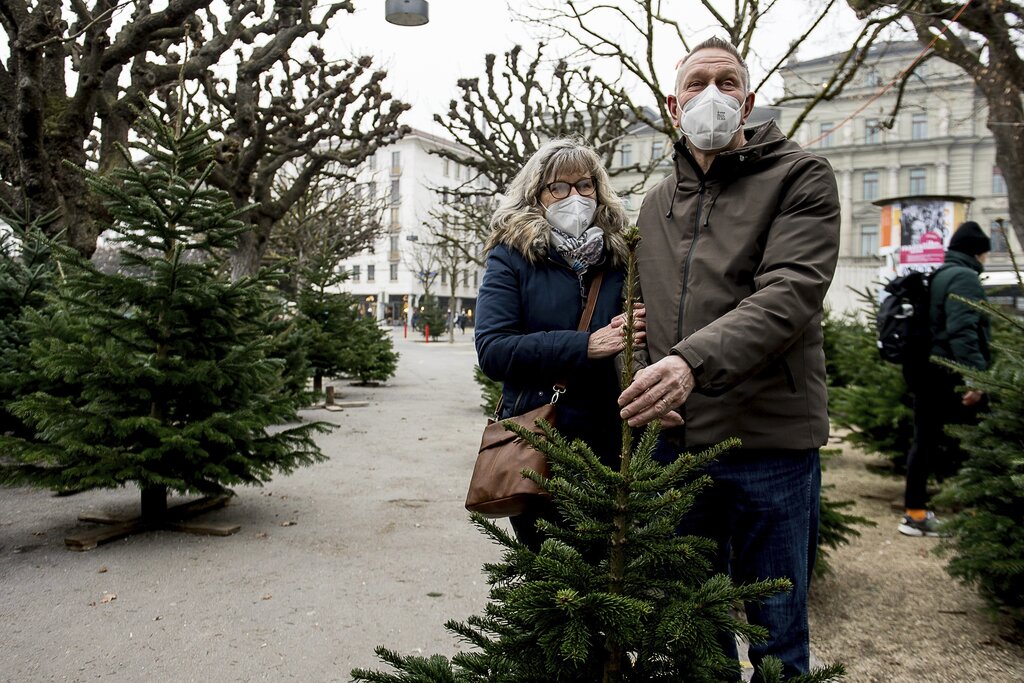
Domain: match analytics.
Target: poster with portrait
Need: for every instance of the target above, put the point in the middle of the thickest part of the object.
(918, 230)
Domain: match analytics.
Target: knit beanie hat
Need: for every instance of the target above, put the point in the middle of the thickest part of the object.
(970, 239)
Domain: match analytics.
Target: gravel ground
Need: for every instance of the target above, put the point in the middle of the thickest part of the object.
(890, 611)
(373, 548)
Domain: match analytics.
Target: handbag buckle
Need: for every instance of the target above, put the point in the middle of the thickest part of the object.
(559, 389)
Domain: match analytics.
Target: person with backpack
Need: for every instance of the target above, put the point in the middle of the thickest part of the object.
(959, 332)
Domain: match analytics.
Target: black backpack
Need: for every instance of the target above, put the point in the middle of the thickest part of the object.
(902, 320)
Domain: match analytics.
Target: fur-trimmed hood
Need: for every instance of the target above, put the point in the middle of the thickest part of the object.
(533, 241)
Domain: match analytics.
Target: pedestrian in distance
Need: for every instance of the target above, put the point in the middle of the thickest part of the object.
(738, 247)
(559, 224)
(961, 333)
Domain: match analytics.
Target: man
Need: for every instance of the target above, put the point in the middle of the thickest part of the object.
(961, 333)
(738, 249)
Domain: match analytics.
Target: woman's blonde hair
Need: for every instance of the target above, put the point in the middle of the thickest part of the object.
(519, 219)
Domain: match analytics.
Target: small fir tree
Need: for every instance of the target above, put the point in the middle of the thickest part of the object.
(370, 353)
(986, 542)
(490, 391)
(26, 275)
(867, 395)
(327, 317)
(431, 316)
(163, 366)
(836, 525)
(613, 593)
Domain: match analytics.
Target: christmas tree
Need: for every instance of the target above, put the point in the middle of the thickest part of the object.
(26, 275)
(613, 594)
(986, 542)
(369, 352)
(162, 370)
(431, 317)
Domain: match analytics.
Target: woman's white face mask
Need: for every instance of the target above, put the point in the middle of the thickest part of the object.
(710, 120)
(572, 215)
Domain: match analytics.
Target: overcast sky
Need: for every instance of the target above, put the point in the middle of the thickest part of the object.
(424, 62)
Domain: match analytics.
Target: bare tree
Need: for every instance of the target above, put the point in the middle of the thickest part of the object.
(625, 34)
(77, 74)
(503, 117)
(988, 49)
(334, 219)
(451, 257)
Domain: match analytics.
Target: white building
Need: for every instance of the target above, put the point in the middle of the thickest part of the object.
(390, 276)
(938, 144)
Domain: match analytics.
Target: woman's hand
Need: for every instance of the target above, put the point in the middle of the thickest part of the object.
(610, 339)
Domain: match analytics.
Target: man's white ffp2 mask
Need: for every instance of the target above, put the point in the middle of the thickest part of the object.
(572, 215)
(710, 119)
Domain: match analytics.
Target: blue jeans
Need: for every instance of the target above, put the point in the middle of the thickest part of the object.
(762, 510)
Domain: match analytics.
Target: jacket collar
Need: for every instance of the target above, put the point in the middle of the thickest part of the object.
(958, 258)
(762, 140)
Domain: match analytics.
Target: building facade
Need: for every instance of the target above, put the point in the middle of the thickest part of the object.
(936, 144)
(391, 277)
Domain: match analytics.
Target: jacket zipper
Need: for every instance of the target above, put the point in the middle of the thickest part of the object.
(689, 258)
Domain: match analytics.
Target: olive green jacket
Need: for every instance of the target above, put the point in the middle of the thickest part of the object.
(734, 265)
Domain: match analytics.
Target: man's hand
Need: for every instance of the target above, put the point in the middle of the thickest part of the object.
(656, 391)
(971, 397)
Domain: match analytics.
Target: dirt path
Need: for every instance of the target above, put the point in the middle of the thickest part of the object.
(890, 611)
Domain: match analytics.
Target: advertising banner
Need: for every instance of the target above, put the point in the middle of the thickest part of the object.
(916, 230)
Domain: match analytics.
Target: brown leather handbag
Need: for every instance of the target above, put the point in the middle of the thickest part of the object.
(498, 487)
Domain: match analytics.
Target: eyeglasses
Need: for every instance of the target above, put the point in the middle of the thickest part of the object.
(561, 189)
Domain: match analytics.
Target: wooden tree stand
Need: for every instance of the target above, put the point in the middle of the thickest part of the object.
(155, 516)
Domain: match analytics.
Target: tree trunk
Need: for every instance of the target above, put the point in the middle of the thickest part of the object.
(452, 315)
(154, 503)
(318, 381)
(1006, 122)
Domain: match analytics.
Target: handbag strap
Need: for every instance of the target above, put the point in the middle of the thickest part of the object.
(588, 313)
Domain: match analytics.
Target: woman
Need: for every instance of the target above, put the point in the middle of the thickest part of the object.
(559, 225)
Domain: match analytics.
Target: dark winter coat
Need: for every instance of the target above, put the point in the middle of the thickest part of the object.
(960, 332)
(734, 265)
(526, 338)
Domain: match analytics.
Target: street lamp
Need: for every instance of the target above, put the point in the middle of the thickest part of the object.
(406, 12)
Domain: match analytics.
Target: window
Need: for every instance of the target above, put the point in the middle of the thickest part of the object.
(371, 273)
(476, 278)
(447, 167)
(998, 235)
(998, 181)
(870, 185)
(394, 243)
(444, 276)
(625, 155)
(395, 195)
(918, 126)
(465, 278)
(393, 272)
(873, 78)
(868, 240)
(872, 132)
(373, 162)
(825, 133)
(394, 217)
(355, 273)
(657, 150)
(918, 181)
(396, 161)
